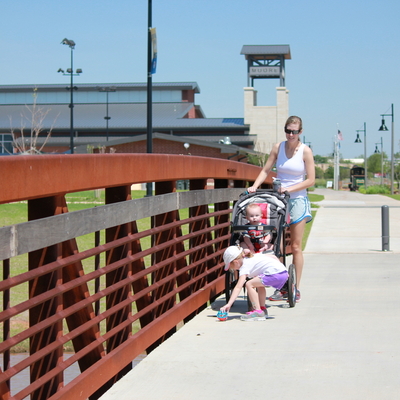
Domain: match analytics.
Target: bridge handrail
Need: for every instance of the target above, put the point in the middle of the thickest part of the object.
(21, 238)
(117, 299)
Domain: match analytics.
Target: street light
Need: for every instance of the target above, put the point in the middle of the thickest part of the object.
(377, 152)
(107, 90)
(384, 128)
(225, 140)
(358, 140)
(71, 45)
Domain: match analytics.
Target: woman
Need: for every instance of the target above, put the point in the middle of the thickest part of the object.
(295, 168)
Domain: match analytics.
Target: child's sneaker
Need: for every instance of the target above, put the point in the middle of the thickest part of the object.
(254, 316)
(298, 296)
(263, 308)
(278, 296)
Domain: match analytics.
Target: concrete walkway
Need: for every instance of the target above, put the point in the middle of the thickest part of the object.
(341, 342)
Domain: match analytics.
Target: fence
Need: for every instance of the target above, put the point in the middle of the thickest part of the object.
(131, 287)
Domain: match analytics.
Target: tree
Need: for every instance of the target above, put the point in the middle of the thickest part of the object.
(344, 173)
(320, 160)
(319, 173)
(329, 173)
(257, 159)
(35, 115)
(375, 163)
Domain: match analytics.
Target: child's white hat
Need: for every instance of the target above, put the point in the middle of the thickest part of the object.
(231, 253)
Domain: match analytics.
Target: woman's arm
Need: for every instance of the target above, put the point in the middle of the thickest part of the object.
(262, 176)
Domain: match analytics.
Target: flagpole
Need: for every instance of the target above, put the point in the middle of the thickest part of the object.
(336, 162)
(335, 166)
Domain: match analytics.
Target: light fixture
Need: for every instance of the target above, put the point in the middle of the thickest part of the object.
(384, 128)
(69, 43)
(358, 140)
(186, 145)
(226, 140)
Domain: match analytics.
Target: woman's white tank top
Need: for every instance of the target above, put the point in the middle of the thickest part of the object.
(291, 170)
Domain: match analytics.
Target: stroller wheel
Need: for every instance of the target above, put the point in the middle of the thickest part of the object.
(292, 286)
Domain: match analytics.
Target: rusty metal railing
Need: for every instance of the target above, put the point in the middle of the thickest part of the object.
(123, 295)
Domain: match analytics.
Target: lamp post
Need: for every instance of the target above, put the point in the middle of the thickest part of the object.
(70, 71)
(377, 152)
(107, 90)
(149, 142)
(384, 128)
(358, 140)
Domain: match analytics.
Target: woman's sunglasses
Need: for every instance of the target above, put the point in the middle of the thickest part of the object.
(288, 131)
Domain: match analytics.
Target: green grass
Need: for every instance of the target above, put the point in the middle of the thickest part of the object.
(315, 197)
(393, 196)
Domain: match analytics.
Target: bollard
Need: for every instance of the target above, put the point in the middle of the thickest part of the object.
(385, 228)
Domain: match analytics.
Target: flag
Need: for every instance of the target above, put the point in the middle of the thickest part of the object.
(339, 135)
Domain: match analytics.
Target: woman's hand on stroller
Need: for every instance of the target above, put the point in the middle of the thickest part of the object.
(251, 189)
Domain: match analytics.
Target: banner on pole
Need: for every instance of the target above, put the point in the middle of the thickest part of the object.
(154, 50)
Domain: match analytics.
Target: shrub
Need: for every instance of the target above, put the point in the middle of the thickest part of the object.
(376, 189)
(320, 183)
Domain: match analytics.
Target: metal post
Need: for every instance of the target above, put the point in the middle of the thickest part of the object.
(385, 228)
(149, 186)
(71, 106)
(382, 161)
(392, 155)
(365, 156)
(107, 118)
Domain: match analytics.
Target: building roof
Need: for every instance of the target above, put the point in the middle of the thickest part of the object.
(266, 51)
(95, 86)
(130, 117)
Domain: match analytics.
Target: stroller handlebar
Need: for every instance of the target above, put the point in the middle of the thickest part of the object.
(238, 228)
(285, 194)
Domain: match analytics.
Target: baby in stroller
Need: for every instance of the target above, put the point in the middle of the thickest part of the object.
(255, 240)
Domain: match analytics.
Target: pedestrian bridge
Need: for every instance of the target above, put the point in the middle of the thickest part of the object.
(152, 263)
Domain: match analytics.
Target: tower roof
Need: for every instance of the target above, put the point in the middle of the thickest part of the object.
(269, 52)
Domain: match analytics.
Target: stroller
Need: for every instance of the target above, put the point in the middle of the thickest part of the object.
(275, 216)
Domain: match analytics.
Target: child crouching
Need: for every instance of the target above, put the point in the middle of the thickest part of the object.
(263, 270)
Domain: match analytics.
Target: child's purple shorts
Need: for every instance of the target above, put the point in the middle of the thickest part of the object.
(276, 280)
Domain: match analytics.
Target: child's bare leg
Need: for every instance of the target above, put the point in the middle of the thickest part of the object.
(252, 292)
(262, 295)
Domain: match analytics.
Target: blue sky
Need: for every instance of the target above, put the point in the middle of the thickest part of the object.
(344, 69)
